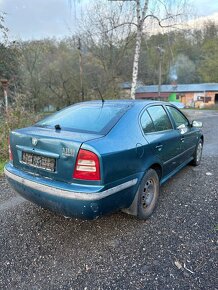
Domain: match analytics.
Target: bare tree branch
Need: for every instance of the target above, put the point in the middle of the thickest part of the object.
(164, 19)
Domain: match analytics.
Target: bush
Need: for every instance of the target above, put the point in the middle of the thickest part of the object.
(14, 119)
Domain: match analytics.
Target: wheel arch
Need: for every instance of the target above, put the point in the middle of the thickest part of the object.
(158, 168)
(132, 210)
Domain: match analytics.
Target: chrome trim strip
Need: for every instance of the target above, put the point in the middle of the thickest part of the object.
(70, 194)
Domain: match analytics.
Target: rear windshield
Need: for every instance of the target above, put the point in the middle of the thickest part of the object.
(91, 118)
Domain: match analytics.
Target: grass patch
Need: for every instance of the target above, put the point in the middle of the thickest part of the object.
(2, 164)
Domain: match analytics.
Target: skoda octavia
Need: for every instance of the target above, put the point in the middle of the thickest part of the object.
(98, 157)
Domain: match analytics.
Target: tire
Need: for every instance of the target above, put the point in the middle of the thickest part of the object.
(198, 154)
(148, 194)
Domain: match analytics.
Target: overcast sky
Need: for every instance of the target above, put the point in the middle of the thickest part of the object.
(34, 19)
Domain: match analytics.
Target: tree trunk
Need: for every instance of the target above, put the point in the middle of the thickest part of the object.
(140, 12)
(136, 62)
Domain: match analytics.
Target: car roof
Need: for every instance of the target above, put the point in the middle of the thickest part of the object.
(128, 102)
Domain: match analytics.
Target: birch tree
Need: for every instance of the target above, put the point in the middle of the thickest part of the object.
(140, 14)
(164, 12)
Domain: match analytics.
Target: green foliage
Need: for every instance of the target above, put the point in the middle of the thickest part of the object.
(2, 164)
(8, 61)
(14, 119)
(208, 66)
(47, 72)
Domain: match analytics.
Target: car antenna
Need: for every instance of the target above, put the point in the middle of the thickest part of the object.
(102, 99)
(57, 127)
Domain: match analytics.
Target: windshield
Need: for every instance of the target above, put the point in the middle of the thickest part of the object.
(93, 118)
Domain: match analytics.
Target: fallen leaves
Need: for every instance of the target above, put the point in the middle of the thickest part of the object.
(179, 266)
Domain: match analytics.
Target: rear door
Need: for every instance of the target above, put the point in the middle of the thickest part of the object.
(163, 138)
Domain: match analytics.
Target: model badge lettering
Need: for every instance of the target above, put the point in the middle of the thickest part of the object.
(67, 151)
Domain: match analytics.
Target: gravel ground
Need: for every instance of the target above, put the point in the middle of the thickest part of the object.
(174, 249)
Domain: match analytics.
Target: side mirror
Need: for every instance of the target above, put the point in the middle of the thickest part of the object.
(197, 124)
(182, 128)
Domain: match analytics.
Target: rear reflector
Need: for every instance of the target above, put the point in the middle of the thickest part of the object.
(87, 166)
(9, 150)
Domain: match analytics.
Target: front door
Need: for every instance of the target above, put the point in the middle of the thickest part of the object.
(187, 133)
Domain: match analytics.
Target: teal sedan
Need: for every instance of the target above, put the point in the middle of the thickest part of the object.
(97, 157)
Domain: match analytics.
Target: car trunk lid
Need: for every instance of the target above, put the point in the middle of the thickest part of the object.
(47, 152)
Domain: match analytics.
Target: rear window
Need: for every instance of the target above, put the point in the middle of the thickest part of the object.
(91, 118)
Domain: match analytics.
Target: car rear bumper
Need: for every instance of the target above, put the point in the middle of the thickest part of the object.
(83, 201)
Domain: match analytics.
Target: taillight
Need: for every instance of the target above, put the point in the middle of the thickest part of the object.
(9, 150)
(87, 166)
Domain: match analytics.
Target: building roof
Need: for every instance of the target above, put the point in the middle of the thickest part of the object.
(125, 85)
(204, 87)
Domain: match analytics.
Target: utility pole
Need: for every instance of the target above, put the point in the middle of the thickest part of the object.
(161, 51)
(81, 69)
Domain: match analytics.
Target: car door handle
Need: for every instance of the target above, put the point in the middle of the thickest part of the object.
(159, 147)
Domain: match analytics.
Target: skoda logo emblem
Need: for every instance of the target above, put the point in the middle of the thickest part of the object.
(34, 141)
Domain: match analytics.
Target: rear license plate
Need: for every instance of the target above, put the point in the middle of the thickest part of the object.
(38, 161)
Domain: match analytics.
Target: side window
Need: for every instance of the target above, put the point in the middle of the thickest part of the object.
(146, 122)
(177, 116)
(159, 118)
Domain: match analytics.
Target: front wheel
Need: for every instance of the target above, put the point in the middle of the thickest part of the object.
(148, 194)
(198, 153)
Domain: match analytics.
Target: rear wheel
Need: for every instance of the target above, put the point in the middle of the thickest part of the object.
(198, 153)
(148, 194)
